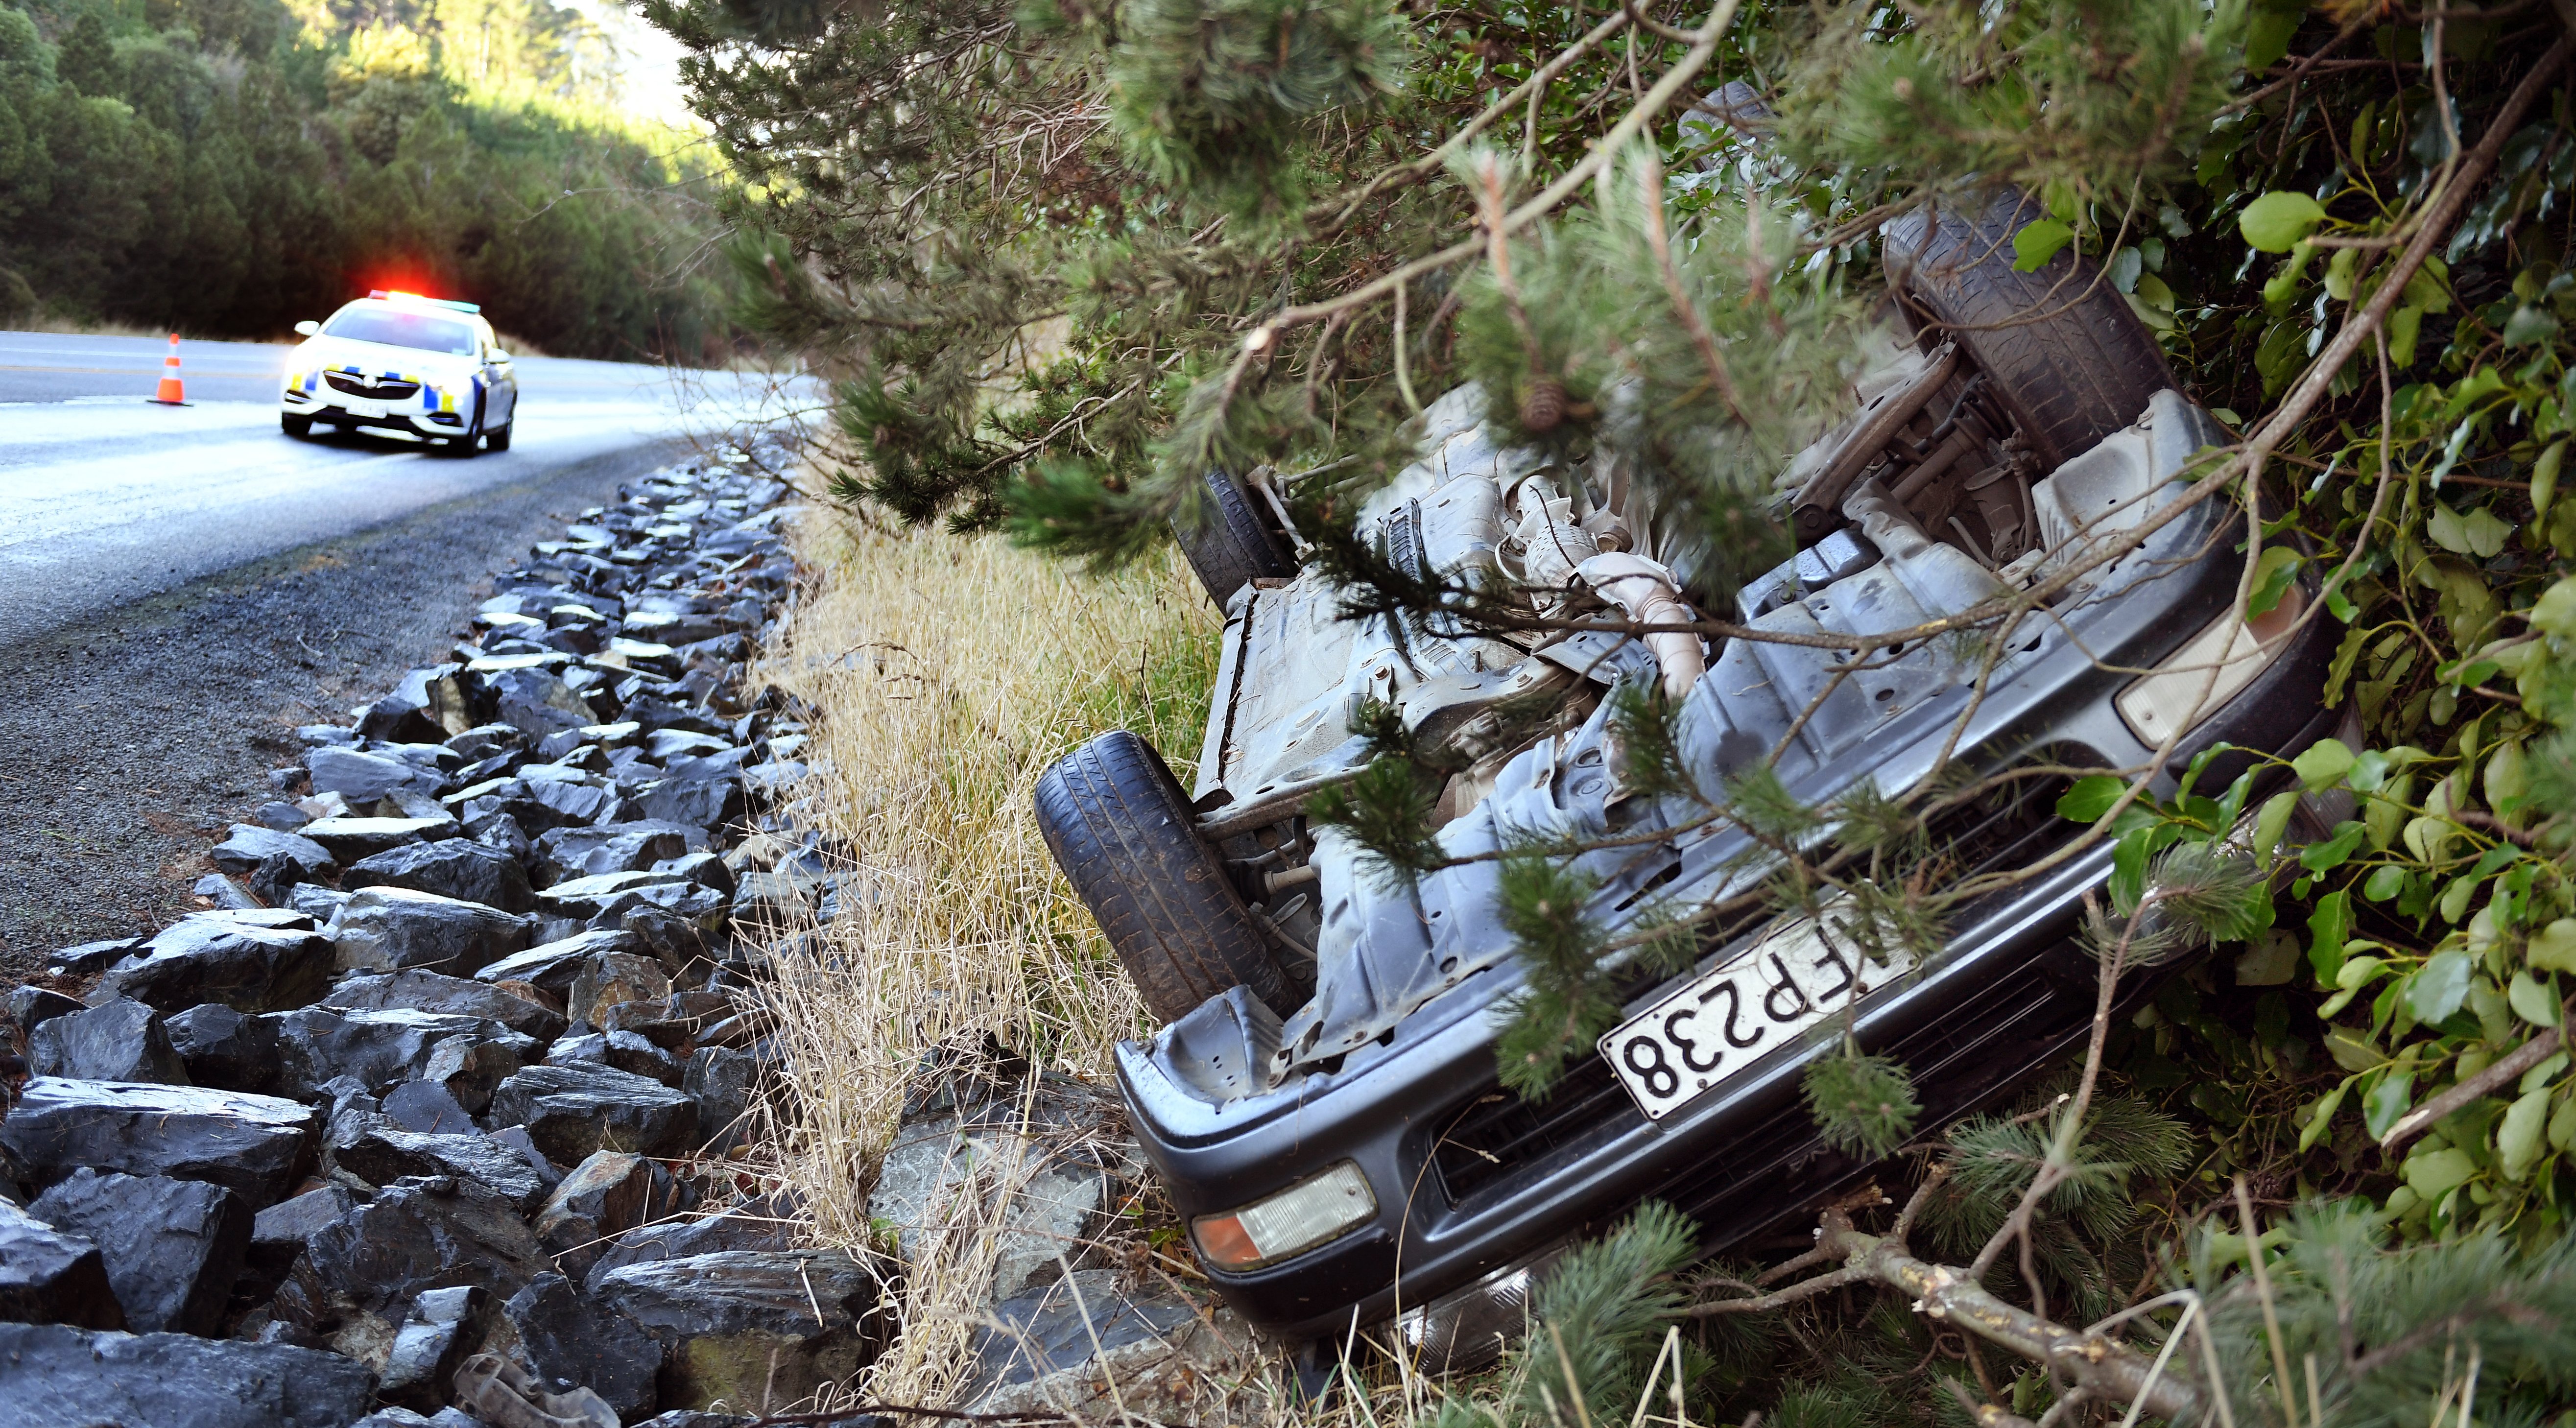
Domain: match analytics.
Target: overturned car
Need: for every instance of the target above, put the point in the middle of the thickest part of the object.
(1324, 1100)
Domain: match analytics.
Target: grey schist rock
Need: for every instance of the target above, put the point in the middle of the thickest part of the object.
(484, 741)
(567, 853)
(51, 1275)
(172, 1247)
(353, 837)
(583, 897)
(537, 702)
(572, 1111)
(724, 1082)
(53, 1376)
(386, 929)
(121, 1041)
(739, 1324)
(249, 846)
(610, 1192)
(278, 1233)
(612, 978)
(255, 1146)
(428, 705)
(428, 1108)
(570, 1339)
(255, 961)
(92, 957)
(623, 1050)
(704, 802)
(452, 867)
(757, 1227)
(360, 1273)
(551, 966)
(32, 1007)
(1055, 1207)
(228, 1049)
(380, 1153)
(381, 1049)
(442, 1328)
(365, 777)
(1084, 1345)
(419, 989)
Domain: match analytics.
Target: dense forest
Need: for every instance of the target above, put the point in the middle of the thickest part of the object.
(227, 167)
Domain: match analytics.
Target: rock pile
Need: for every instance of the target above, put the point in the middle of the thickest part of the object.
(414, 1113)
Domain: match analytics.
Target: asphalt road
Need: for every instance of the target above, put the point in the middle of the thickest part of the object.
(180, 587)
(106, 498)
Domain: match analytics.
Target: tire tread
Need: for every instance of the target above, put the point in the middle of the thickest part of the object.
(2073, 377)
(1116, 821)
(1234, 543)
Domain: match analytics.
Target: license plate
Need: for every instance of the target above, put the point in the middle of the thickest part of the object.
(1723, 1021)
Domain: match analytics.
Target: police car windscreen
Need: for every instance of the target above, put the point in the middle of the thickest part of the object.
(403, 329)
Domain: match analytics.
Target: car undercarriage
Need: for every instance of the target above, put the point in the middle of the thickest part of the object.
(1324, 1101)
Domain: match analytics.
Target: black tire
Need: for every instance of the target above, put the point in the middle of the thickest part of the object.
(498, 438)
(2076, 374)
(1119, 826)
(1235, 542)
(465, 447)
(295, 426)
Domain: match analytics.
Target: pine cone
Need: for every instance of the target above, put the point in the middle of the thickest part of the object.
(1542, 404)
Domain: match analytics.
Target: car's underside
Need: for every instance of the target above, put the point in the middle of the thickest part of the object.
(1345, 1055)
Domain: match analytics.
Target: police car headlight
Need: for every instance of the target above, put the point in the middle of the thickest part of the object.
(1309, 1213)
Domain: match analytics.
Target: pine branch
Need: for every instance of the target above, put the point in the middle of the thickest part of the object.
(1988, 1415)
(2102, 1365)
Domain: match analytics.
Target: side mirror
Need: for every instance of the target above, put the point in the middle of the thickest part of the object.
(308, 328)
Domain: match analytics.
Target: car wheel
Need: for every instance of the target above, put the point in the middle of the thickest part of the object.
(1117, 823)
(295, 425)
(2065, 352)
(464, 447)
(498, 438)
(1235, 541)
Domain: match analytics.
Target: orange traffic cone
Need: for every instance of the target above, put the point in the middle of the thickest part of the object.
(171, 393)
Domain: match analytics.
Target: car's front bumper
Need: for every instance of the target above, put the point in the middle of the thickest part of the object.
(433, 411)
(1469, 1181)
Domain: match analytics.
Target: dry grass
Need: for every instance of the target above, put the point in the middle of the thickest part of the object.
(950, 671)
(44, 320)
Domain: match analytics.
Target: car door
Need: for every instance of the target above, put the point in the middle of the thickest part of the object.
(500, 383)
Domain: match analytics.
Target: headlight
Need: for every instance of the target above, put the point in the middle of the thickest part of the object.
(2172, 697)
(1306, 1214)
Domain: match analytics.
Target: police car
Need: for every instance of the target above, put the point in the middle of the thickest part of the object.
(396, 361)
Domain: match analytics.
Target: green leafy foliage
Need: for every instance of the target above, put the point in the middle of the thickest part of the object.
(2275, 222)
